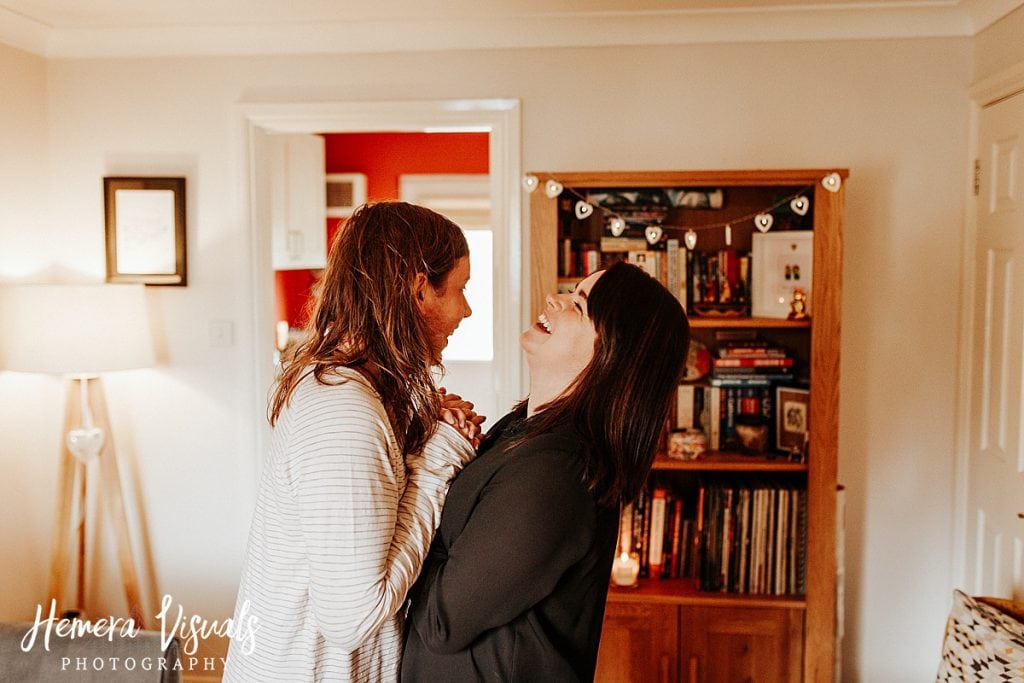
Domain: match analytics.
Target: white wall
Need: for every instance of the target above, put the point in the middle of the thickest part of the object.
(895, 113)
(1000, 46)
(27, 481)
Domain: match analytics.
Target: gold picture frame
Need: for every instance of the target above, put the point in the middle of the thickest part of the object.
(792, 419)
(145, 230)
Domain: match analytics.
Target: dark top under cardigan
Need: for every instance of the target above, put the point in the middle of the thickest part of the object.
(515, 584)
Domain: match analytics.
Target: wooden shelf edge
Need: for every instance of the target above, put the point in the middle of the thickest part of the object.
(684, 592)
(710, 178)
(717, 461)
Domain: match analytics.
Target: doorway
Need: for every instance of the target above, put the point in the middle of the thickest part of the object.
(498, 118)
(990, 481)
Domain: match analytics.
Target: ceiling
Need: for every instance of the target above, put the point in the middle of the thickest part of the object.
(136, 28)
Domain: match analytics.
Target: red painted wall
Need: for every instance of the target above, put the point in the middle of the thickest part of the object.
(383, 157)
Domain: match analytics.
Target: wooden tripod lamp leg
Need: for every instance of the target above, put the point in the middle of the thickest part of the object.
(115, 503)
(65, 503)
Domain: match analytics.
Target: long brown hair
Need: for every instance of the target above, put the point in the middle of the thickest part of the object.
(620, 401)
(364, 313)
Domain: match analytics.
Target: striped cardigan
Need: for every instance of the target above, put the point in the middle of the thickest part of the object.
(340, 532)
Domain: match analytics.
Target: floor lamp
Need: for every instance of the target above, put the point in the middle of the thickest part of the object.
(81, 331)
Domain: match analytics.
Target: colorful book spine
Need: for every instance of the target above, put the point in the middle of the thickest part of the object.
(656, 545)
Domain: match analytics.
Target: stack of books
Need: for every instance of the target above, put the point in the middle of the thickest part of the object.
(743, 377)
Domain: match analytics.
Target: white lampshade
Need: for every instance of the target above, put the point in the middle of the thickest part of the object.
(74, 329)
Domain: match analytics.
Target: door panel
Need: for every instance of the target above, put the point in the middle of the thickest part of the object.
(995, 487)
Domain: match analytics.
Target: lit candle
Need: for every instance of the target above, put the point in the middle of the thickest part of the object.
(625, 569)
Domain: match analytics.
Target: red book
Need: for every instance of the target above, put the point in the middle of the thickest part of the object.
(656, 547)
(752, 362)
(677, 538)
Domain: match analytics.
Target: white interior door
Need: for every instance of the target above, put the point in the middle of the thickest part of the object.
(995, 459)
(469, 359)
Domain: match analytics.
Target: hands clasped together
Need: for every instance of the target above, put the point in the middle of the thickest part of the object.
(459, 413)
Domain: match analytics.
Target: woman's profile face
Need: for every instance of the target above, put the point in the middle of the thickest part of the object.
(443, 309)
(562, 339)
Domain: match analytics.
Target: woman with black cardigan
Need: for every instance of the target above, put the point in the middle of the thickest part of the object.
(515, 584)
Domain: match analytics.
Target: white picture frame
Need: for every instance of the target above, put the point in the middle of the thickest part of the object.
(781, 262)
(345, 193)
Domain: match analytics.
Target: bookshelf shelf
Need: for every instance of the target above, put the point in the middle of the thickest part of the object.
(663, 628)
(685, 592)
(720, 461)
(729, 322)
(748, 322)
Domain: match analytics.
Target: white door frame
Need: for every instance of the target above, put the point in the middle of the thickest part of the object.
(988, 91)
(500, 118)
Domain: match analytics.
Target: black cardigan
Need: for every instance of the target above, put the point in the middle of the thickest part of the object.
(515, 584)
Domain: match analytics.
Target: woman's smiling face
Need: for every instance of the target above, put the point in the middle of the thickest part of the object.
(562, 339)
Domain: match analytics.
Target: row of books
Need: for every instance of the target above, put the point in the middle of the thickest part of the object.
(717, 277)
(659, 529)
(667, 264)
(696, 278)
(738, 537)
(753, 538)
(717, 409)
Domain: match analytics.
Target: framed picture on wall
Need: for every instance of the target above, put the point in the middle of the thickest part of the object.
(781, 264)
(792, 419)
(145, 230)
(345, 193)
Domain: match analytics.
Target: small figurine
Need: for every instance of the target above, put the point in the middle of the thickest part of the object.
(798, 306)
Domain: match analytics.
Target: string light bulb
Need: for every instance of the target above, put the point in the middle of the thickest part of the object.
(832, 182)
(690, 239)
(800, 205)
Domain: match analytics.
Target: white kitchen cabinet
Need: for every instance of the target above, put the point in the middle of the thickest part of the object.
(298, 202)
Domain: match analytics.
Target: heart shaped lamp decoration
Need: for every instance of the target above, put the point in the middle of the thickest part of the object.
(690, 239)
(617, 226)
(583, 210)
(653, 233)
(763, 221)
(800, 205)
(530, 182)
(85, 443)
(553, 188)
(831, 182)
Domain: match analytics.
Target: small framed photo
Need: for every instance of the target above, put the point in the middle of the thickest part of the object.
(781, 264)
(792, 419)
(345, 193)
(145, 230)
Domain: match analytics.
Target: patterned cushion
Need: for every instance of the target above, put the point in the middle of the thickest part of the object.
(982, 644)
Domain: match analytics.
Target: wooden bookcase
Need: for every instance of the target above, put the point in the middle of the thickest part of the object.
(668, 630)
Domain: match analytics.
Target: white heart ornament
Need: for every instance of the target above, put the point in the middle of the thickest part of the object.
(530, 182)
(653, 233)
(85, 443)
(690, 239)
(800, 205)
(831, 182)
(763, 221)
(617, 226)
(553, 188)
(583, 210)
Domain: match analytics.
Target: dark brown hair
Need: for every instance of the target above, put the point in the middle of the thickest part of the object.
(620, 401)
(364, 314)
